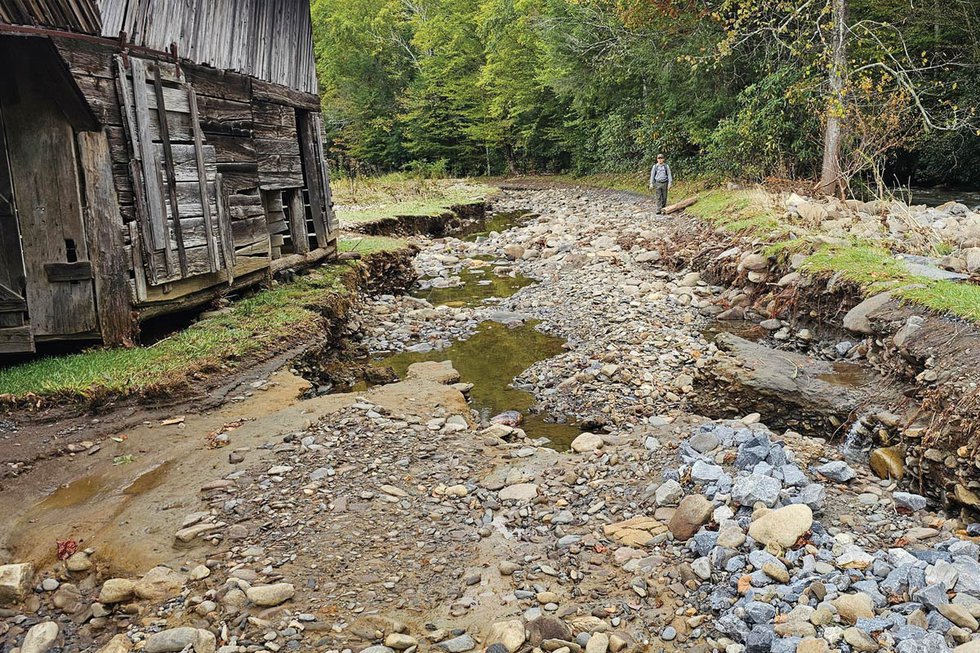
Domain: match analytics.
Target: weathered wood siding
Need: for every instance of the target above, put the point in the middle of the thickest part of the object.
(271, 40)
(234, 135)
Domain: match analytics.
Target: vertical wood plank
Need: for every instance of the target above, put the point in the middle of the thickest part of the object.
(312, 175)
(139, 276)
(168, 162)
(224, 226)
(151, 165)
(103, 226)
(203, 180)
(297, 222)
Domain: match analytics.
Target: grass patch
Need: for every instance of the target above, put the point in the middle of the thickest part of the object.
(371, 244)
(254, 326)
(962, 299)
(872, 267)
(367, 199)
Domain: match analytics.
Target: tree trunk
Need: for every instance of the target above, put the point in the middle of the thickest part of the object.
(831, 180)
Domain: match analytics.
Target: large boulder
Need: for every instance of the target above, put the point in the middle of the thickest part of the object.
(783, 526)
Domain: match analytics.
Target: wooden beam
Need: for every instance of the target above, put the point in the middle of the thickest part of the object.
(224, 228)
(202, 179)
(103, 229)
(77, 271)
(297, 222)
(156, 209)
(168, 163)
(680, 206)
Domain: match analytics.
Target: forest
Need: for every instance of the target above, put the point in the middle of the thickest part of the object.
(745, 89)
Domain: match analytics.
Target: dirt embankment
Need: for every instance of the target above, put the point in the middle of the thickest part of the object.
(920, 411)
(454, 220)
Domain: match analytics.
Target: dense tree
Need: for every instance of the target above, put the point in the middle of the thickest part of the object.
(855, 89)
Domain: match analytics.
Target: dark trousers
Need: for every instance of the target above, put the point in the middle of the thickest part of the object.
(660, 192)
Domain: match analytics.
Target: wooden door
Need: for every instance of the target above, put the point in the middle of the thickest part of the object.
(44, 172)
(183, 223)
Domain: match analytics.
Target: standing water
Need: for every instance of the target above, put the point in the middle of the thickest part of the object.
(497, 353)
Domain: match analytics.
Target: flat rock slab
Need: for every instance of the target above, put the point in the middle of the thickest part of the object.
(790, 390)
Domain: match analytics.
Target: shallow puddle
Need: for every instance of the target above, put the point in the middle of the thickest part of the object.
(490, 359)
(498, 222)
(73, 494)
(475, 290)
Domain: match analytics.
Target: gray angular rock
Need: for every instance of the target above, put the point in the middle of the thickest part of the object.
(747, 490)
(837, 471)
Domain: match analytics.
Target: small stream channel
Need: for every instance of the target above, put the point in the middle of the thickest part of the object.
(498, 352)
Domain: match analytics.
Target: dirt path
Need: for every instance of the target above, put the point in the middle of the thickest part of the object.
(397, 519)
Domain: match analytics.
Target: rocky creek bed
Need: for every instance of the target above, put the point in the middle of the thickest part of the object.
(396, 518)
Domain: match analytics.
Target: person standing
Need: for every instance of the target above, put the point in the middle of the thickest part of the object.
(661, 180)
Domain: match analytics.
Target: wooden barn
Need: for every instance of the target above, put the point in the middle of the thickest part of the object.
(153, 155)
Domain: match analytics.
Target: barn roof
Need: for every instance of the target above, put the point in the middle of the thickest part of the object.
(271, 40)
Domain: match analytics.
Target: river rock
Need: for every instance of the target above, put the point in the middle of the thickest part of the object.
(860, 640)
(669, 493)
(117, 590)
(519, 492)
(78, 562)
(459, 644)
(400, 641)
(783, 526)
(598, 643)
(15, 582)
(856, 319)
(544, 628)
(587, 442)
(160, 583)
(510, 634)
(178, 639)
(693, 511)
(959, 615)
(813, 645)
(267, 596)
(909, 502)
(852, 607)
(40, 638)
(118, 644)
(888, 462)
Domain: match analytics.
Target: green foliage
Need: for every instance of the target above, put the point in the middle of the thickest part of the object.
(735, 88)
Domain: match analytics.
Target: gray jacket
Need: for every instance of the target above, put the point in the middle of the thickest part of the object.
(661, 172)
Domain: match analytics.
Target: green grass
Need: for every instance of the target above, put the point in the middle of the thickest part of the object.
(872, 267)
(961, 299)
(371, 244)
(368, 199)
(254, 326)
